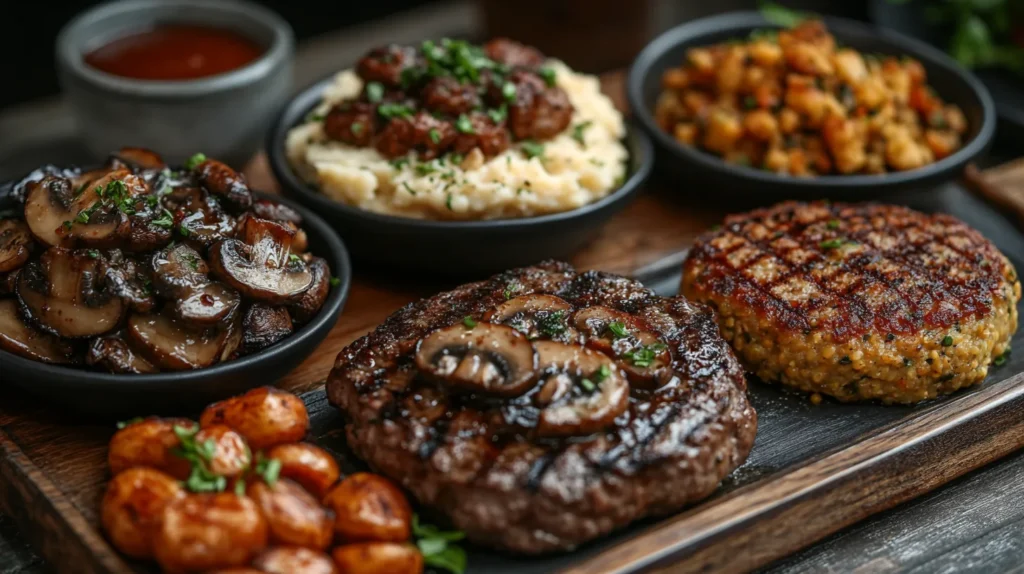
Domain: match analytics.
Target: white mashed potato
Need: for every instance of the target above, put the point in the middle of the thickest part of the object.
(568, 174)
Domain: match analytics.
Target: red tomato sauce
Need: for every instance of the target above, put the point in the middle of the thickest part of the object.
(175, 52)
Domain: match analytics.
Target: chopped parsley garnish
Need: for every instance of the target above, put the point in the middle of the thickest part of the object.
(644, 355)
(448, 202)
(1002, 359)
(510, 290)
(464, 125)
(833, 224)
(425, 168)
(832, 244)
(435, 136)
(399, 163)
(194, 161)
(618, 330)
(392, 111)
(82, 217)
(374, 92)
(356, 128)
(455, 158)
(553, 324)
(314, 116)
(184, 230)
(549, 76)
(335, 281)
(201, 479)
(192, 260)
(468, 322)
(437, 547)
(498, 115)
(268, 468)
(293, 258)
(947, 341)
(578, 129)
(509, 91)
(588, 385)
(128, 422)
(532, 149)
(411, 191)
(166, 220)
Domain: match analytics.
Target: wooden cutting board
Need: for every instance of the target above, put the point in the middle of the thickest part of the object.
(814, 469)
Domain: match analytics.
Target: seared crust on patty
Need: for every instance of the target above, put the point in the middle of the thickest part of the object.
(511, 489)
(860, 301)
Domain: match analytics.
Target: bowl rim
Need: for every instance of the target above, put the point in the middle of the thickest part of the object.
(340, 264)
(70, 55)
(743, 21)
(637, 142)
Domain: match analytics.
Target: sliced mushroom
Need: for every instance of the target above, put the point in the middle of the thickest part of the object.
(127, 279)
(114, 354)
(64, 293)
(261, 264)
(485, 358)
(136, 159)
(171, 344)
(224, 182)
(179, 273)
(645, 358)
(59, 214)
(263, 326)
(20, 338)
(201, 219)
(281, 213)
(536, 316)
(20, 189)
(309, 304)
(581, 391)
(15, 244)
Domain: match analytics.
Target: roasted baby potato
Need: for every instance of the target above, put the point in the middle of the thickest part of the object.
(369, 507)
(294, 560)
(378, 558)
(149, 443)
(133, 506)
(231, 456)
(308, 465)
(293, 515)
(208, 531)
(265, 416)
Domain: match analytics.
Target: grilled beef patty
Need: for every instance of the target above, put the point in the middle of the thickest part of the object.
(543, 408)
(859, 301)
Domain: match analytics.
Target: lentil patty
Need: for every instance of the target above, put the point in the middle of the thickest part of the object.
(857, 301)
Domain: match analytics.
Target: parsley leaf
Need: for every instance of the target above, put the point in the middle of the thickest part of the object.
(166, 220)
(578, 129)
(552, 324)
(509, 91)
(469, 322)
(498, 115)
(268, 468)
(435, 136)
(391, 111)
(436, 547)
(201, 479)
(549, 76)
(644, 355)
(194, 161)
(510, 290)
(464, 125)
(335, 281)
(532, 149)
(374, 92)
(618, 329)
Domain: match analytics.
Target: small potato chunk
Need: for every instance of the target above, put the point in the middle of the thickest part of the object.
(292, 560)
(723, 131)
(369, 507)
(264, 416)
(294, 517)
(133, 506)
(761, 124)
(207, 531)
(378, 558)
(149, 443)
(231, 456)
(308, 465)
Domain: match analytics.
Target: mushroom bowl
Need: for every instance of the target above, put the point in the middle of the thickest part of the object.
(182, 285)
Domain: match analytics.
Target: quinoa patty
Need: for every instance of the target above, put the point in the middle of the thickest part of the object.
(857, 301)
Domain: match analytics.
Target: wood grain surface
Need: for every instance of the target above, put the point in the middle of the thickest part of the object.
(798, 487)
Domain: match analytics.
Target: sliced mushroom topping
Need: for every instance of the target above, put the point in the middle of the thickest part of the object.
(171, 344)
(275, 211)
(261, 264)
(20, 338)
(309, 304)
(226, 183)
(484, 358)
(64, 293)
(94, 213)
(263, 326)
(127, 279)
(202, 220)
(581, 391)
(179, 273)
(536, 316)
(15, 244)
(137, 159)
(20, 189)
(112, 353)
(645, 358)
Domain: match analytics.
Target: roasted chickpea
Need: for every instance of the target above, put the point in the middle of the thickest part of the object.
(208, 531)
(133, 506)
(378, 558)
(264, 416)
(294, 560)
(369, 507)
(231, 456)
(294, 517)
(308, 465)
(149, 443)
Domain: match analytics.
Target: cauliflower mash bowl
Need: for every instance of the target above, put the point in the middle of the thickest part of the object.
(459, 132)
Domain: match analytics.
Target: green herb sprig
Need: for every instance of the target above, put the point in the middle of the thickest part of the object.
(437, 546)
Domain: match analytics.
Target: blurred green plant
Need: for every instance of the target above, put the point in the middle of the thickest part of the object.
(985, 33)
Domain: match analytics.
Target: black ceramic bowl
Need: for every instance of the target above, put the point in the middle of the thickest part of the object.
(706, 171)
(453, 248)
(105, 394)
